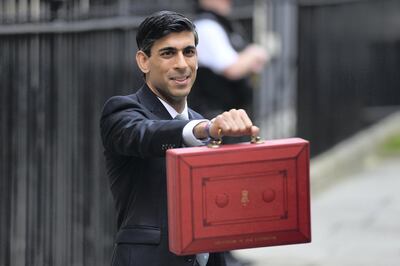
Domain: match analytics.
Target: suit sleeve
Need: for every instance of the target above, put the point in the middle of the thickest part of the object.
(126, 129)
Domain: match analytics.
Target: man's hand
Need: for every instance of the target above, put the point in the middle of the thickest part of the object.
(233, 123)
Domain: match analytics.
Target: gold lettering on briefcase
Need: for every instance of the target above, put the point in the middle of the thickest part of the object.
(245, 198)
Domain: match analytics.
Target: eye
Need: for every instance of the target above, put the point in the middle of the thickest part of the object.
(190, 52)
(167, 53)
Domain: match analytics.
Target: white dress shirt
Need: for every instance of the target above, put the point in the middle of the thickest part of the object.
(189, 138)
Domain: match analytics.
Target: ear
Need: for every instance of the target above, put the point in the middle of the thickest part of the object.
(142, 61)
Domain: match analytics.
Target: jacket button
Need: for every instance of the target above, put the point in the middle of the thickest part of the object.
(189, 259)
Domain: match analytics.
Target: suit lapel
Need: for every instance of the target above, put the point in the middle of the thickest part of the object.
(194, 115)
(151, 102)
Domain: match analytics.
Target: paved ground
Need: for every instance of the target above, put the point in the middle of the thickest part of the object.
(355, 222)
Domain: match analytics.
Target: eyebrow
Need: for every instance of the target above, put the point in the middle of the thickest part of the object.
(174, 49)
(167, 49)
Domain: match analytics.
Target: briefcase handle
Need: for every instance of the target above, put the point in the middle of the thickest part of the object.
(216, 143)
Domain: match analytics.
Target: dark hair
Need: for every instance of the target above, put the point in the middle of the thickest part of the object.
(161, 24)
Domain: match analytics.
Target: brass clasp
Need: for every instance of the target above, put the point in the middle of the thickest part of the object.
(214, 143)
(256, 140)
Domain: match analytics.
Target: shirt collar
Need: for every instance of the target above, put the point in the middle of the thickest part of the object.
(173, 112)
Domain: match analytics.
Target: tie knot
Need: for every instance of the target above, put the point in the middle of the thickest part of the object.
(180, 117)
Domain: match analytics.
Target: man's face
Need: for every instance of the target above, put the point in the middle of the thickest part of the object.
(171, 67)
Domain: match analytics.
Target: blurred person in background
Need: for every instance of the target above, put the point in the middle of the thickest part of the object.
(226, 61)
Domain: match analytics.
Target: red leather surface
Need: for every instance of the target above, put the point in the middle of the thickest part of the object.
(238, 196)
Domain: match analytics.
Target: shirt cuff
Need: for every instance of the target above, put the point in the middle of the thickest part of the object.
(188, 137)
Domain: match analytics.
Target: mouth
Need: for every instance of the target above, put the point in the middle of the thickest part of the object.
(181, 80)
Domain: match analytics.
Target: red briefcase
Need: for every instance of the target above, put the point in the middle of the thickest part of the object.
(238, 196)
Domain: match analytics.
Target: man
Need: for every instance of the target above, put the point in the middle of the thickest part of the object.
(226, 60)
(137, 130)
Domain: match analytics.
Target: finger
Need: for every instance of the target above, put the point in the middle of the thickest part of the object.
(238, 120)
(219, 127)
(230, 122)
(246, 121)
(255, 131)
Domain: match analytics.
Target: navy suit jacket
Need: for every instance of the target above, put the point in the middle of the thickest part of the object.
(136, 131)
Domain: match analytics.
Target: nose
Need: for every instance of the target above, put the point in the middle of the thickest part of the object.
(180, 61)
